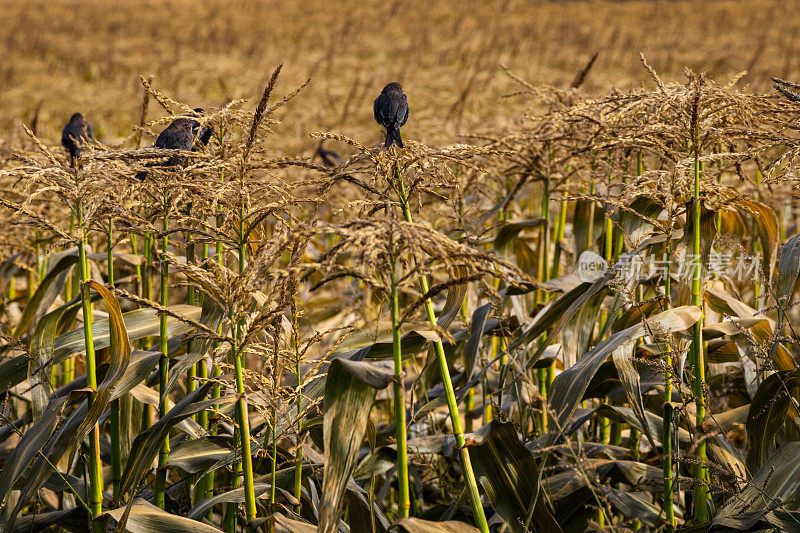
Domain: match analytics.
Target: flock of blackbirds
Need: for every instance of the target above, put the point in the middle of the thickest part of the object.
(390, 109)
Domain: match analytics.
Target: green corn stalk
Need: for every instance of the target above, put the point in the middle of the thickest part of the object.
(697, 358)
(163, 367)
(615, 430)
(455, 419)
(204, 488)
(666, 437)
(137, 269)
(399, 401)
(298, 455)
(31, 289)
(757, 250)
(147, 277)
(558, 236)
(469, 401)
(116, 459)
(241, 404)
(558, 231)
(543, 375)
(12, 290)
(95, 463)
(488, 411)
(147, 290)
(191, 299)
(68, 366)
(216, 371)
(634, 433)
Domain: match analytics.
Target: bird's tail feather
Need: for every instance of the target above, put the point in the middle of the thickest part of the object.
(397, 140)
(389, 139)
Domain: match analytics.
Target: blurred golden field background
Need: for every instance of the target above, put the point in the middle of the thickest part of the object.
(59, 58)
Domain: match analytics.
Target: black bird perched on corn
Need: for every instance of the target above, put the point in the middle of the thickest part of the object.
(75, 133)
(177, 136)
(330, 158)
(391, 112)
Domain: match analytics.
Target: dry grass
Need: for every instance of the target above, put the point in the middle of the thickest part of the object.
(89, 57)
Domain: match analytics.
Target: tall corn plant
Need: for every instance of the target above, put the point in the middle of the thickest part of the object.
(697, 353)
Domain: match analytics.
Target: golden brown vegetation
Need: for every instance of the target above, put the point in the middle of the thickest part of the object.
(249, 339)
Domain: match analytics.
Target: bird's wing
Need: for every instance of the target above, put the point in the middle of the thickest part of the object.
(163, 138)
(185, 140)
(376, 110)
(89, 131)
(403, 113)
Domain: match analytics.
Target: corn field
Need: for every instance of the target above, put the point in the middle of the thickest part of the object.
(581, 319)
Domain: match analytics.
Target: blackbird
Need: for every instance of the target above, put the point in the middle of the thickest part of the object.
(391, 112)
(74, 134)
(330, 158)
(177, 136)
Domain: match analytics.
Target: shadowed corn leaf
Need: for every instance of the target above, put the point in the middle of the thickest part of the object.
(417, 525)
(767, 224)
(570, 386)
(288, 525)
(350, 390)
(634, 505)
(83, 419)
(146, 445)
(144, 517)
(41, 352)
(577, 334)
(140, 366)
(30, 444)
(588, 215)
(237, 495)
(359, 517)
(178, 371)
(557, 314)
(631, 384)
(637, 221)
(71, 519)
(508, 233)
(477, 330)
(774, 486)
(509, 475)
(195, 455)
(139, 323)
(46, 293)
(766, 415)
(724, 303)
(637, 312)
(788, 270)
